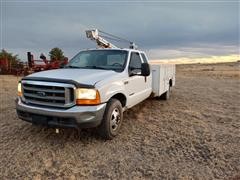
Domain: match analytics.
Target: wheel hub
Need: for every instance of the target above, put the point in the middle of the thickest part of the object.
(115, 119)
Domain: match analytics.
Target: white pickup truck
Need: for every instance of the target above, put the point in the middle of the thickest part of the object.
(93, 90)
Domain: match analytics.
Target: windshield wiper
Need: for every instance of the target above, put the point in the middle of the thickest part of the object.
(88, 67)
(96, 67)
(70, 66)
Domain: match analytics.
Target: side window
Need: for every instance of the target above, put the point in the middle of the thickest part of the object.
(144, 58)
(135, 62)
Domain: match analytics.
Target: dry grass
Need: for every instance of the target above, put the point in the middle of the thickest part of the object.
(194, 135)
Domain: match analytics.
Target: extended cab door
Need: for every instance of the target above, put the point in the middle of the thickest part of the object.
(137, 86)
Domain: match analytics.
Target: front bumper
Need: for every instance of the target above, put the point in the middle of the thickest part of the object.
(75, 117)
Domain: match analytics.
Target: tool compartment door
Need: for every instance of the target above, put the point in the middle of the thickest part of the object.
(161, 75)
(158, 81)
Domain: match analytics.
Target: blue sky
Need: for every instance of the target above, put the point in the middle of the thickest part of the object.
(165, 29)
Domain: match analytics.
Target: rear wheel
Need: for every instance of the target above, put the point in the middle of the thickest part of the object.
(112, 120)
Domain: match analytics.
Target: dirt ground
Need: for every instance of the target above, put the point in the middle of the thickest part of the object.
(194, 135)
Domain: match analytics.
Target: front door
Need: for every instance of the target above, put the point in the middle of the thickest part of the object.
(136, 83)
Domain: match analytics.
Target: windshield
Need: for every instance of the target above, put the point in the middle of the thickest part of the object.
(100, 59)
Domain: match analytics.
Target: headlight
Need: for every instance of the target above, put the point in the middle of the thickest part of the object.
(86, 96)
(19, 89)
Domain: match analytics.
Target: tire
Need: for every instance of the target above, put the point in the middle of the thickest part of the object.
(112, 120)
(166, 95)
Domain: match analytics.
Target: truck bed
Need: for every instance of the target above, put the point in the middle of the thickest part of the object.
(163, 77)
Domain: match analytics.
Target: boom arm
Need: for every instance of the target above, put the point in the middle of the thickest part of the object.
(101, 42)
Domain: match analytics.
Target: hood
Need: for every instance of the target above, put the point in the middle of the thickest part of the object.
(83, 76)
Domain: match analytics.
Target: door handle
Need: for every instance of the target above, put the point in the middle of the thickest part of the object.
(125, 82)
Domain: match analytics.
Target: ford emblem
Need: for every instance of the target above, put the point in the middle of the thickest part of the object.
(40, 93)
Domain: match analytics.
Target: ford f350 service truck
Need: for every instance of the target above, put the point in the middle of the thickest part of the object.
(93, 90)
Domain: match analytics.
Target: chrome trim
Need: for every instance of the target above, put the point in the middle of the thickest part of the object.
(56, 100)
(46, 90)
(82, 114)
(44, 97)
(41, 83)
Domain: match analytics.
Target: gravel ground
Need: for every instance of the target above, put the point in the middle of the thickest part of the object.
(194, 135)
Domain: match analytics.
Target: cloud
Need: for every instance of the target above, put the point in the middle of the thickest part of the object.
(195, 51)
(164, 29)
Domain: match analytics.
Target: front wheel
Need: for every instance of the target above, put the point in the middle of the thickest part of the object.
(112, 119)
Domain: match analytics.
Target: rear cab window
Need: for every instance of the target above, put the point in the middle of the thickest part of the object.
(144, 58)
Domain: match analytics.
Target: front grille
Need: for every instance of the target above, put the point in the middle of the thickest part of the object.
(48, 93)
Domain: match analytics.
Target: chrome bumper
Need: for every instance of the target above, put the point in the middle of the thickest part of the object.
(76, 116)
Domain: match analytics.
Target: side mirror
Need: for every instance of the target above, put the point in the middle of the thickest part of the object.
(145, 69)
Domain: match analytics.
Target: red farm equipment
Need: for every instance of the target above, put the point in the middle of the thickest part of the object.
(7, 67)
(43, 64)
(32, 65)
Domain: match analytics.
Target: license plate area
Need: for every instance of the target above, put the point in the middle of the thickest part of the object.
(38, 119)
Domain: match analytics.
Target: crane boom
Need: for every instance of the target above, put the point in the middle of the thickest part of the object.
(101, 42)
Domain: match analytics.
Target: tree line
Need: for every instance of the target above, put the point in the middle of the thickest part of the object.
(55, 54)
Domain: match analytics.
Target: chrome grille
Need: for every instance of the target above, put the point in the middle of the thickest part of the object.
(48, 93)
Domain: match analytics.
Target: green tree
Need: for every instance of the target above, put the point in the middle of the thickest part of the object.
(56, 54)
(13, 60)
